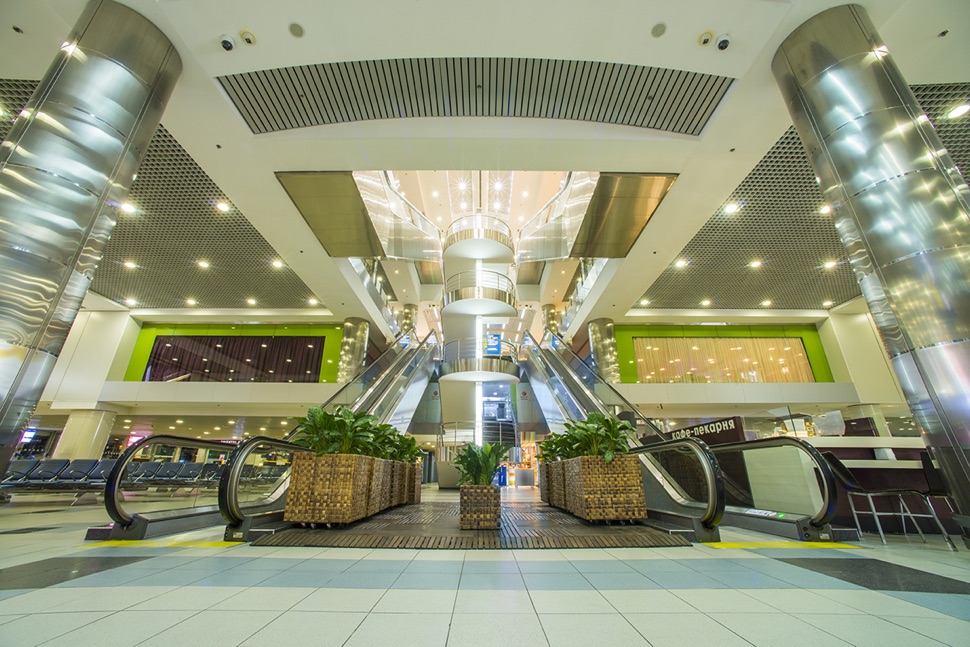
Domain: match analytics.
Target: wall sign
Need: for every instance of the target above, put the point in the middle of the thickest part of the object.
(718, 432)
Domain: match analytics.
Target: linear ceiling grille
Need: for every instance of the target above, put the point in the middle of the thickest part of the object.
(612, 93)
(176, 224)
(779, 224)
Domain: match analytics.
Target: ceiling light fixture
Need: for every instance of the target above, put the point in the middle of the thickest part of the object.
(644, 302)
(498, 185)
(705, 302)
(203, 264)
(959, 111)
(434, 194)
(127, 207)
(277, 264)
(130, 265)
(754, 264)
(830, 264)
(130, 302)
(766, 303)
(222, 206)
(190, 302)
(525, 194)
(680, 263)
(251, 302)
(312, 301)
(826, 304)
(731, 207)
(825, 210)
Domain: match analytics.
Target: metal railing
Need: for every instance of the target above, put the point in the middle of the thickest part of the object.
(479, 279)
(474, 348)
(233, 511)
(481, 223)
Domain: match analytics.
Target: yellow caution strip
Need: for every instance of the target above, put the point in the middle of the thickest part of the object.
(161, 543)
(778, 544)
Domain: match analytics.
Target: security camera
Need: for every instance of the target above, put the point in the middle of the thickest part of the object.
(228, 43)
(723, 42)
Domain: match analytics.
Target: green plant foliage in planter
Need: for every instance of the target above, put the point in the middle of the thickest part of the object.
(340, 431)
(480, 501)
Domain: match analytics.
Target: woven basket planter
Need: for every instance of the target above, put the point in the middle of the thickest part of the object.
(480, 507)
(601, 491)
(387, 496)
(375, 492)
(543, 486)
(400, 489)
(556, 485)
(415, 477)
(331, 488)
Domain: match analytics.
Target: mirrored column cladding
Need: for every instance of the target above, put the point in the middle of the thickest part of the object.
(901, 209)
(551, 319)
(353, 348)
(408, 316)
(65, 167)
(602, 344)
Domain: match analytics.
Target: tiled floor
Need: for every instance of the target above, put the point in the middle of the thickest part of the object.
(194, 589)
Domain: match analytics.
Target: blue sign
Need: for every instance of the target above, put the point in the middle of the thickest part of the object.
(405, 341)
(493, 344)
(555, 342)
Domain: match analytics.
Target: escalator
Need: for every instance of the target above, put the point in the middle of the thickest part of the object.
(247, 491)
(688, 483)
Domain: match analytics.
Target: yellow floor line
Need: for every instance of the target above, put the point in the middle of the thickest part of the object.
(161, 543)
(778, 544)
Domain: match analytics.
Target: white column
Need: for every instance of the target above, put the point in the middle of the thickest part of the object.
(85, 434)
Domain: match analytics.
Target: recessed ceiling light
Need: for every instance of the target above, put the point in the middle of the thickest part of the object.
(754, 264)
(680, 263)
(825, 210)
(231, 422)
(251, 302)
(766, 303)
(826, 304)
(312, 301)
(463, 206)
(218, 428)
(644, 302)
(178, 422)
(203, 264)
(126, 420)
(462, 185)
(222, 206)
(497, 185)
(262, 428)
(525, 194)
(959, 111)
(706, 302)
(206, 433)
(731, 207)
(496, 206)
(130, 302)
(127, 426)
(434, 194)
(171, 427)
(277, 264)
(130, 265)
(830, 264)
(190, 302)
(127, 207)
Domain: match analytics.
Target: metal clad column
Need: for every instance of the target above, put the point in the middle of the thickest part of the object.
(353, 348)
(551, 319)
(409, 315)
(901, 211)
(69, 160)
(602, 344)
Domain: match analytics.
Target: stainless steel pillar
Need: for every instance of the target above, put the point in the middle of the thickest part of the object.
(902, 211)
(602, 344)
(353, 348)
(551, 319)
(69, 160)
(408, 316)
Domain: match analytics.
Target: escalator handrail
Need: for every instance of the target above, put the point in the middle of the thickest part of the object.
(534, 354)
(830, 494)
(716, 499)
(562, 344)
(232, 473)
(112, 486)
(391, 347)
(380, 388)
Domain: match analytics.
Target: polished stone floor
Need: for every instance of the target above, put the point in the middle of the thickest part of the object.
(194, 589)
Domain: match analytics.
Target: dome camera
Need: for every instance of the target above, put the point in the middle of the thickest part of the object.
(723, 42)
(228, 43)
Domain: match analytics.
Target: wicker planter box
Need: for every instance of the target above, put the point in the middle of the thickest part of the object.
(375, 492)
(331, 488)
(555, 484)
(601, 491)
(480, 507)
(415, 477)
(400, 490)
(543, 486)
(387, 497)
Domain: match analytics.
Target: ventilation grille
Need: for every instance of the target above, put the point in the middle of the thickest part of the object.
(612, 93)
(779, 224)
(175, 226)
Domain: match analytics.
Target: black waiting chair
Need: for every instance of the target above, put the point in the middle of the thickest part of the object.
(78, 470)
(18, 470)
(854, 488)
(99, 475)
(47, 471)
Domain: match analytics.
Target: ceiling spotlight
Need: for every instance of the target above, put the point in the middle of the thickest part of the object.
(830, 264)
(498, 185)
(251, 302)
(203, 264)
(706, 302)
(277, 264)
(190, 302)
(644, 302)
(222, 206)
(127, 207)
(171, 427)
(766, 303)
(462, 185)
(496, 206)
(130, 265)
(525, 194)
(127, 420)
(178, 422)
(130, 302)
(825, 210)
(754, 264)
(680, 263)
(731, 207)
(312, 301)
(959, 111)
(434, 194)
(826, 304)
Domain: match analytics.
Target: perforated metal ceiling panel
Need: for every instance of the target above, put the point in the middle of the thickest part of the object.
(614, 93)
(175, 225)
(779, 224)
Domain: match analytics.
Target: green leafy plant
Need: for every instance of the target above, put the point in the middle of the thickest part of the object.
(599, 435)
(478, 465)
(406, 449)
(340, 431)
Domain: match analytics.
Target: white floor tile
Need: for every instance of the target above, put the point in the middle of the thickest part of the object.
(800, 601)
(306, 628)
(879, 604)
(115, 598)
(646, 602)
(42, 600)
(491, 602)
(349, 600)
(868, 631)
(213, 628)
(583, 630)
(416, 601)
(123, 629)
(401, 630)
(683, 630)
(949, 631)
(479, 630)
(722, 601)
(775, 629)
(38, 628)
(265, 598)
(189, 598)
(587, 602)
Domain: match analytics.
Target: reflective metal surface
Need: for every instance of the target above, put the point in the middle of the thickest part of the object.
(409, 314)
(353, 348)
(602, 345)
(551, 319)
(551, 233)
(902, 212)
(332, 206)
(66, 164)
(479, 227)
(479, 284)
(619, 209)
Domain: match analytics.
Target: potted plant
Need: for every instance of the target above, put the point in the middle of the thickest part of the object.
(553, 451)
(406, 451)
(480, 501)
(330, 483)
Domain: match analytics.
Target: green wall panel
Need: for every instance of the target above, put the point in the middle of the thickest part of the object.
(333, 335)
(807, 333)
